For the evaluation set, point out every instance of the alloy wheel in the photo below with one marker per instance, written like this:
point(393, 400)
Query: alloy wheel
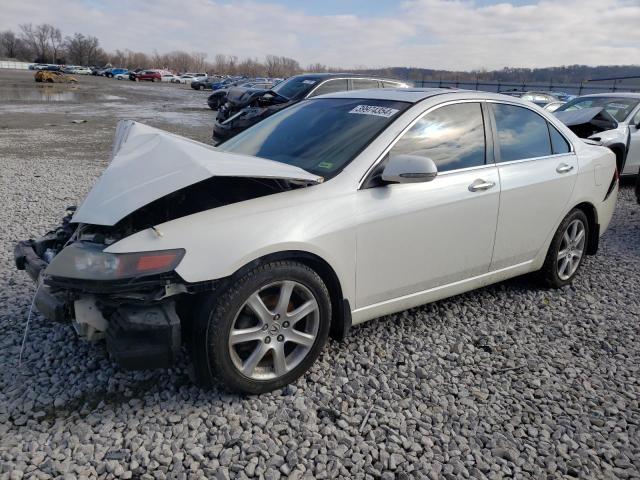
point(571, 249)
point(274, 330)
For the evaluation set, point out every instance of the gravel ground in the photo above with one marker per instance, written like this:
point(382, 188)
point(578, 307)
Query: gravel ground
point(510, 381)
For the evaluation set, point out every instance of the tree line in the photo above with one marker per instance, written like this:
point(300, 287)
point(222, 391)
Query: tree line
point(45, 43)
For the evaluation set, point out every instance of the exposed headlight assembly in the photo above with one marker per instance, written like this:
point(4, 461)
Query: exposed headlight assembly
point(88, 262)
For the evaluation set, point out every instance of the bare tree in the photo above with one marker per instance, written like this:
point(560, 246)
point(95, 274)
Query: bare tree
point(10, 44)
point(281, 66)
point(317, 68)
point(37, 39)
point(55, 40)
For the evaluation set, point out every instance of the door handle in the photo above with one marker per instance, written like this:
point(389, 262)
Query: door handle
point(564, 168)
point(480, 185)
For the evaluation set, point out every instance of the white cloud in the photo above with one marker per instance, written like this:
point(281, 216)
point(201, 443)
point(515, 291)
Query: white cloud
point(452, 34)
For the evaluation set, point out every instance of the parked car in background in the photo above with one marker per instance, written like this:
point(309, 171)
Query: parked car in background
point(148, 75)
point(116, 71)
point(539, 98)
point(565, 97)
point(121, 76)
point(225, 83)
point(82, 71)
point(245, 93)
point(53, 77)
point(219, 96)
point(99, 71)
point(234, 119)
point(204, 84)
point(366, 203)
point(168, 77)
point(553, 106)
point(612, 119)
point(134, 73)
point(190, 77)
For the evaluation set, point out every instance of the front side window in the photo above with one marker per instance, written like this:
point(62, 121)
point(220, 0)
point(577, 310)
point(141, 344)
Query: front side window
point(452, 136)
point(320, 136)
point(332, 86)
point(522, 133)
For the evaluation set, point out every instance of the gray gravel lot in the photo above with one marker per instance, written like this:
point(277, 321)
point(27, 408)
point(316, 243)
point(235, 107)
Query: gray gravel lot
point(510, 381)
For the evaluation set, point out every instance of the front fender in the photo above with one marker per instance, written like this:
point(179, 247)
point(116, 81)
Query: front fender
point(220, 241)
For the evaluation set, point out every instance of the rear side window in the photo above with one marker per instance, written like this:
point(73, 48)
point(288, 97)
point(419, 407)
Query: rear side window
point(522, 133)
point(452, 136)
point(386, 84)
point(363, 83)
point(558, 143)
point(332, 86)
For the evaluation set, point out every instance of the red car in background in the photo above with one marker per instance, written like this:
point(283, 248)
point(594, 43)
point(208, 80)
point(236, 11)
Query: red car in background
point(152, 75)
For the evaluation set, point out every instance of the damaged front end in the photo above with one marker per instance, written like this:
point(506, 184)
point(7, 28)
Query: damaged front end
point(597, 125)
point(130, 300)
point(135, 300)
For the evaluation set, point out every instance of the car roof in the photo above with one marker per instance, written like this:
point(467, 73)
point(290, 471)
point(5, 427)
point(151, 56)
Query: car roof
point(324, 76)
point(614, 94)
point(415, 95)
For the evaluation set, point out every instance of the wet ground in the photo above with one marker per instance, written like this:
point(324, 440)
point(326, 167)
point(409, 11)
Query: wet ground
point(49, 110)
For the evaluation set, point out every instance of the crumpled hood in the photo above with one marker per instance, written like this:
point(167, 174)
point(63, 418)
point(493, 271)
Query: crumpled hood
point(148, 163)
point(597, 116)
point(242, 95)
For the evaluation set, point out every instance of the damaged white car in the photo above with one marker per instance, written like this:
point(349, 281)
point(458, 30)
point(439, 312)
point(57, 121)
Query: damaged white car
point(337, 210)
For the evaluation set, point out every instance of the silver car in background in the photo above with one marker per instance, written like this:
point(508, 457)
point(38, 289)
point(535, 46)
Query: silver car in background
point(613, 119)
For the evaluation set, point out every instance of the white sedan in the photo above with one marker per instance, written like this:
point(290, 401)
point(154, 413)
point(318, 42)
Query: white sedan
point(170, 77)
point(334, 211)
point(190, 77)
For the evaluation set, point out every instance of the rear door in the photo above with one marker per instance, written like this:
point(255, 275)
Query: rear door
point(538, 170)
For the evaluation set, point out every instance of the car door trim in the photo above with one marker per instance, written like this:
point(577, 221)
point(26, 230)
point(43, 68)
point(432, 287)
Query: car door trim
point(380, 157)
point(359, 314)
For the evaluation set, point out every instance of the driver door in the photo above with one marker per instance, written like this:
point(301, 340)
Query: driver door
point(416, 236)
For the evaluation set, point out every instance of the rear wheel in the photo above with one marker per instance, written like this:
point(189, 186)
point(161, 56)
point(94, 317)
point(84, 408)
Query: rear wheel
point(567, 250)
point(264, 330)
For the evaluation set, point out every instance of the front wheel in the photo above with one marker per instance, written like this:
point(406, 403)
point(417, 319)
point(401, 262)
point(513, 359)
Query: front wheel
point(567, 250)
point(264, 330)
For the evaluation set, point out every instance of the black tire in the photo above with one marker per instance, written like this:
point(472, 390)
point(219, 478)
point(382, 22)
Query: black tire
point(549, 273)
point(218, 314)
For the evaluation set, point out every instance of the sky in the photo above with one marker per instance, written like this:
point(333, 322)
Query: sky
point(441, 34)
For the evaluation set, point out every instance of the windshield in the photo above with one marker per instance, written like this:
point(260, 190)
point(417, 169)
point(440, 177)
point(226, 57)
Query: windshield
point(320, 136)
point(618, 107)
point(295, 87)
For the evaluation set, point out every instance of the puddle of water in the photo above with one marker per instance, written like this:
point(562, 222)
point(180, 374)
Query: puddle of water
point(49, 94)
point(39, 93)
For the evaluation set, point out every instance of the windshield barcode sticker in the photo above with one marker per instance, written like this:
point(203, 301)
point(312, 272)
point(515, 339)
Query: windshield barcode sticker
point(375, 110)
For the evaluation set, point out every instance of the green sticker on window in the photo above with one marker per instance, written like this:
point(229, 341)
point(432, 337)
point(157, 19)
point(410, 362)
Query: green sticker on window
point(326, 165)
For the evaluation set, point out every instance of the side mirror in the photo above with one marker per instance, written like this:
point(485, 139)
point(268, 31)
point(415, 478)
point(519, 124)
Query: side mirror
point(409, 169)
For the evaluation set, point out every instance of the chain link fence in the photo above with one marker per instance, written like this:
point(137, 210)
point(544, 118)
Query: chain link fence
point(622, 84)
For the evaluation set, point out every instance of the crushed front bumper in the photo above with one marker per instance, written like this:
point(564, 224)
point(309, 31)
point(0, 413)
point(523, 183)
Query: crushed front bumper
point(142, 329)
